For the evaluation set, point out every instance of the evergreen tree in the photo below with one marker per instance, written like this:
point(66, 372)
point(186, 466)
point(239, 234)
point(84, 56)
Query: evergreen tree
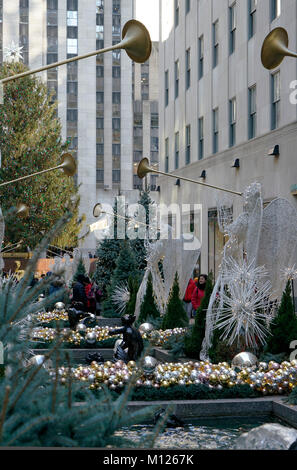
point(107, 254)
point(284, 326)
point(80, 270)
point(138, 245)
point(126, 266)
point(193, 342)
point(30, 141)
point(148, 307)
point(175, 316)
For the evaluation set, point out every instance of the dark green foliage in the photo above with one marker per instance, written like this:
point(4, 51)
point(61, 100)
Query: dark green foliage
point(284, 326)
point(175, 316)
point(126, 266)
point(193, 342)
point(192, 392)
point(105, 344)
point(279, 358)
point(80, 270)
point(138, 245)
point(133, 286)
point(221, 351)
point(107, 254)
point(148, 307)
point(35, 408)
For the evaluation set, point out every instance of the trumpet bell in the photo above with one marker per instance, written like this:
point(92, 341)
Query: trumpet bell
point(22, 210)
point(275, 48)
point(68, 164)
point(97, 210)
point(136, 41)
point(143, 168)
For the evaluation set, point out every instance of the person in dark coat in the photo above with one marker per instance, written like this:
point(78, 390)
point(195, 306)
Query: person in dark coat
point(79, 293)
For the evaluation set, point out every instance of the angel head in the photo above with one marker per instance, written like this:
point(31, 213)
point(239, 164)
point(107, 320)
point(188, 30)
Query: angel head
point(250, 195)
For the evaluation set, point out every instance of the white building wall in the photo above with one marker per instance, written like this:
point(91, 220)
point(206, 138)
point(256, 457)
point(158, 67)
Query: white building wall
point(233, 76)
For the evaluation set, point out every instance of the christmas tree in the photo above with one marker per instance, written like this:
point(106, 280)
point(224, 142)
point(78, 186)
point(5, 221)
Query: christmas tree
point(126, 266)
point(138, 244)
point(193, 342)
point(175, 316)
point(283, 327)
point(80, 270)
point(107, 253)
point(148, 307)
point(30, 141)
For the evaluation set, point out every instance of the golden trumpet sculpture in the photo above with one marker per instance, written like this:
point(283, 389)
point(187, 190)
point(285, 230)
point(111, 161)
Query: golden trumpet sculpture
point(144, 168)
point(136, 42)
point(98, 211)
point(22, 210)
point(275, 48)
point(68, 165)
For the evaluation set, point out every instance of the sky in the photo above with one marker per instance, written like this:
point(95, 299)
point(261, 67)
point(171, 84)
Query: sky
point(147, 11)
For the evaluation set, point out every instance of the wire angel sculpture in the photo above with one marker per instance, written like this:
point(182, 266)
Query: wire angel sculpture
point(258, 237)
point(173, 255)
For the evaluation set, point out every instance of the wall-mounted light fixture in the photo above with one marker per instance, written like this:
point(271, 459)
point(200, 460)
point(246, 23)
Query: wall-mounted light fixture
point(236, 163)
point(177, 183)
point(203, 174)
point(274, 151)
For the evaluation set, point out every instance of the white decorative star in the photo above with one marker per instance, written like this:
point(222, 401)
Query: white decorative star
point(13, 53)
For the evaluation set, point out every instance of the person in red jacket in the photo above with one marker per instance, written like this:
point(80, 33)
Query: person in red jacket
point(199, 292)
point(188, 296)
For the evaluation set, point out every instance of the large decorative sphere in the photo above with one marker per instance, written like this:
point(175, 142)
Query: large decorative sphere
point(59, 306)
point(91, 337)
point(81, 328)
point(149, 364)
point(39, 360)
point(146, 328)
point(244, 359)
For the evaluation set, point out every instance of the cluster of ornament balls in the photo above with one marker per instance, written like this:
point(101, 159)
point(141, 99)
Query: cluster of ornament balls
point(55, 315)
point(160, 337)
point(268, 378)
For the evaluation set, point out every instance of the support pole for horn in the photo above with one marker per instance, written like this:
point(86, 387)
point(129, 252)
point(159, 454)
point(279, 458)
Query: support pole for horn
point(144, 168)
point(97, 212)
point(68, 166)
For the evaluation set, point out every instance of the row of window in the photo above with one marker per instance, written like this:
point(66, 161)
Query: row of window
point(252, 116)
point(275, 11)
point(252, 5)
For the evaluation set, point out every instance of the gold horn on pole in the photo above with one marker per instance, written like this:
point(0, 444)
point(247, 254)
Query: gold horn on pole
point(98, 211)
point(135, 40)
point(275, 48)
point(68, 165)
point(22, 210)
point(144, 168)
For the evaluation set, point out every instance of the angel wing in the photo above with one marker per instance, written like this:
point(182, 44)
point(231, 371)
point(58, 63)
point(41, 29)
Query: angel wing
point(278, 242)
point(254, 231)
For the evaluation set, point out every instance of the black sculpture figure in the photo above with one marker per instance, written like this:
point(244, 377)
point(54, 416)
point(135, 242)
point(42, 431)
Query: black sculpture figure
point(94, 357)
point(172, 422)
point(76, 316)
point(132, 340)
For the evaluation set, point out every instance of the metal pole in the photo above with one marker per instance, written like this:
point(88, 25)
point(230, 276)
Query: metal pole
point(196, 182)
point(30, 176)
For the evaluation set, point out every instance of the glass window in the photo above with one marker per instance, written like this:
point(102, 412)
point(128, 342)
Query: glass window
point(232, 118)
point(275, 9)
point(116, 72)
point(154, 144)
point(99, 71)
point(166, 155)
point(188, 145)
point(201, 138)
point(232, 21)
point(166, 88)
point(72, 5)
point(188, 68)
point(52, 4)
point(116, 123)
point(176, 150)
point(201, 56)
point(275, 104)
point(188, 6)
point(176, 73)
point(215, 29)
point(72, 18)
point(116, 97)
point(72, 32)
point(72, 115)
point(252, 17)
point(72, 46)
point(215, 117)
point(100, 6)
point(176, 12)
point(252, 112)
point(100, 97)
point(99, 123)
